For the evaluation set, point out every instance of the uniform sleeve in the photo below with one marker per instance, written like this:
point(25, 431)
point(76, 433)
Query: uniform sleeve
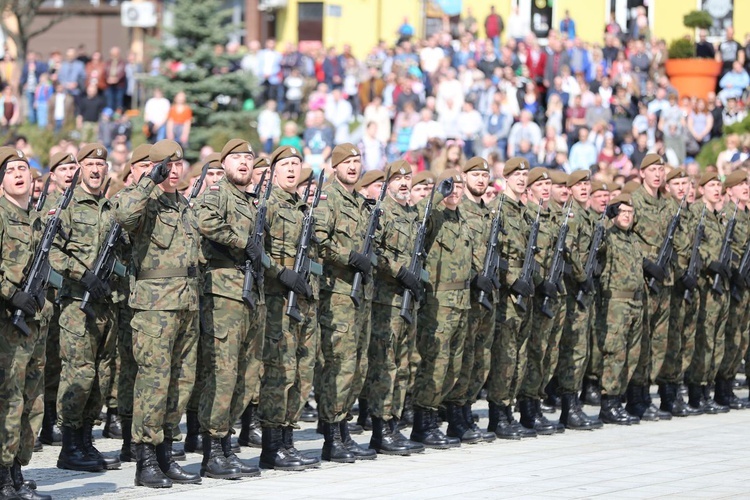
point(212, 224)
point(130, 209)
point(325, 222)
point(7, 288)
point(273, 270)
point(387, 263)
point(61, 259)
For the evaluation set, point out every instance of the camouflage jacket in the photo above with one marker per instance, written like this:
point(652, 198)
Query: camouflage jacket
point(164, 237)
point(581, 234)
point(652, 216)
point(479, 219)
point(741, 233)
point(682, 243)
point(512, 247)
point(226, 218)
point(622, 261)
point(19, 235)
point(716, 226)
point(394, 244)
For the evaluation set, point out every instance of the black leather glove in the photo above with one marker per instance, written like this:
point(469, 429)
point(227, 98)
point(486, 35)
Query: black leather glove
point(360, 262)
point(482, 283)
point(613, 211)
point(295, 282)
point(445, 187)
point(159, 173)
point(585, 287)
point(717, 267)
point(25, 302)
point(94, 285)
point(689, 282)
point(653, 271)
point(253, 251)
point(411, 281)
point(522, 288)
point(547, 289)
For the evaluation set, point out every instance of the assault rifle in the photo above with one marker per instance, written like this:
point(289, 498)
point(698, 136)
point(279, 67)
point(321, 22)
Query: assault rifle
point(690, 278)
point(254, 270)
point(592, 260)
point(199, 183)
point(725, 255)
point(664, 256)
point(524, 285)
point(106, 264)
point(492, 261)
point(43, 195)
point(368, 249)
point(553, 283)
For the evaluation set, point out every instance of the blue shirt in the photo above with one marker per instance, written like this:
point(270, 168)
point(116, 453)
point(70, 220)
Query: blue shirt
point(582, 156)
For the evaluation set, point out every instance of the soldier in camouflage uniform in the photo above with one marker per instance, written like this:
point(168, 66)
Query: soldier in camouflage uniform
point(232, 333)
point(164, 299)
point(736, 333)
point(619, 324)
point(21, 356)
point(87, 341)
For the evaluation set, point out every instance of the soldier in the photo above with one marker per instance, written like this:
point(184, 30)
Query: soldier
point(620, 322)
point(713, 287)
point(21, 356)
point(421, 186)
point(344, 328)
point(370, 184)
point(289, 347)
point(87, 340)
point(164, 299)
point(480, 331)
point(511, 322)
point(736, 336)
point(443, 318)
point(215, 171)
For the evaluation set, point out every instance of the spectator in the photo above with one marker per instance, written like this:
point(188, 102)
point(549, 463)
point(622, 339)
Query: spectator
point(43, 94)
point(72, 73)
point(568, 26)
point(470, 127)
point(554, 114)
point(450, 157)
point(105, 133)
point(405, 31)
point(729, 52)
point(249, 62)
point(339, 113)
point(641, 149)
point(525, 129)
point(11, 111)
point(115, 80)
point(518, 24)
point(63, 106)
point(318, 139)
point(613, 27)
point(294, 84)
point(583, 154)
point(734, 83)
point(269, 73)
point(8, 69)
point(557, 58)
point(371, 87)
point(30, 78)
point(376, 112)
point(290, 136)
point(427, 128)
point(494, 27)
point(580, 58)
point(122, 129)
point(703, 48)
point(729, 159)
point(333, 68)
point(95, 72)
point(497, 127)
point(732, 113)
point(132, 68)
point(575, 118)
point(404, 127)
point(700, 122)
point(373, 150)
point(155, 115)
point(431, 56)
point(179, 120)
point(269, 126)
point(89, 111)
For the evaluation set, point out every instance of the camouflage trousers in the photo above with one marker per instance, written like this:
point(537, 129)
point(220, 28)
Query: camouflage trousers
point(289, 353)
point(21, 389)
point(508, 363)
point(344, 341)
point(391, 342)
point(441, 332)
point(109, 373)
point(619, 329)
point(681, 336)
point(574, 344)
point(542, 347)
point(128, 367)
point(655, 336)
point(593, 371)
point(713, 313)
point(165, 349)
point(53, 365)
point(735, 337)
point(231, 346)
point(87, 345)
point(475, 365)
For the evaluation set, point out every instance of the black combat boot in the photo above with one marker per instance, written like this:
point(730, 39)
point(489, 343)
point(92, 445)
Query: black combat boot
point(250, 433)
point(233, 460)
point(553, 399)
point(407, 415)
point(516, 425)
point(412, 446)
point(334, 449)
point(651, 407)
point(112, 425)
point(487, 436)
point(147, 471)
point(50, 433)
point(383, 441)
point(457, 427)
point(170, 468)
point(559, 426)
point(109, 463)
point(680, 408)
point(571, 416)
point(425, 430)
point(127, 451)
point(710, 403)
point(287, 438)
point(73, 456)
point(215, 465)
point(355, 449)
point(612, 412)
point(7, 490)
point(591, 393)
point(498, 423)
point(274, 455)
point(193, 438)
point(695, 399)
point(309, 414)
point(724, 395)
point(24, 489)
point(531, 420)
point(668, 399)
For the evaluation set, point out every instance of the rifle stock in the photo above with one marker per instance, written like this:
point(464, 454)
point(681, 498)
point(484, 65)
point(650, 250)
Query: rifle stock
point(368, 248)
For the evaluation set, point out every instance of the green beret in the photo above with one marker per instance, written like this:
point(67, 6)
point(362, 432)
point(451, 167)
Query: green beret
point(214, 161)
point(398, 167)
point(343, 152)
point(61, 158)
point(284, 152)
point(676, 173)
point(9, 153)
point(423, 177)
point(708, 177)
point(95, 151)
point(651, 159)
point(166, 150)
point(476, 163)
point(578, 176)
point(304, 175)
point(140, 154)
point(623, 198)
point(537, 174)
point(239, 146)
point(631, 187)
point(370, 177)
point(262, 162)
point(451, 173)
point(735, 178)
point(515, 163)
point(599, 186)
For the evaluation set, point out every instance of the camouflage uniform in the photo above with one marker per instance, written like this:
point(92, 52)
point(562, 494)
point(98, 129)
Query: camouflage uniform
point(164, 299)
point(232, 333)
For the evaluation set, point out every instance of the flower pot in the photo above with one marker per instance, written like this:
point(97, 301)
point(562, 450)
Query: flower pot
point(693, 77)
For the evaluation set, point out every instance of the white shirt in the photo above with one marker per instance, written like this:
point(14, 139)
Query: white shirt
point(156, 110)
point(423, 132)
point(339, 113)
point(470, 124)
point(430, 58)
point(269, 125)
point(382, 117)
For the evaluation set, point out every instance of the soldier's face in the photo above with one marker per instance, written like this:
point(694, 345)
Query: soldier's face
point(477, 182)
point(399, 188)
point(347, 172)
point(239, 168)
point(625, 218)
point(287, 173)
point(63, 175)
point(516, 182)
point(540, 191)
point(311, 195)
point(581, 191)
point(138, 169)
point(454, 198)
point(599, 201)
point(38, 186)
point(652, 176)
point(372, 192)
point(560, 193)
point(213, 175)
point(711, 191)
point(175, 174)
point(740, 192)
point(420, 192)
point(678, 187)
point(93, 172)
point(258, 173)
point(17, 181)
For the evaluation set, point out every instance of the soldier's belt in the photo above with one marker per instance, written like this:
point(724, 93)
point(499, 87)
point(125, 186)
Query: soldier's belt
point(455, 285)
point(168, 272)
point(286, 261)
point(515, 264)
point(622, 294)
point(224, 264)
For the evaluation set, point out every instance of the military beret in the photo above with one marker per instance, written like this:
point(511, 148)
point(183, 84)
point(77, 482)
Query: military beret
point(167, 150)
point(476, 163)
point(651, 159)
point(9, 153)
point(578, 176)
point(515, 163)
point(451, 173)
point(214, 161)
point(677, 173)
point(284, 152)
point(343, 152)
point(631, 187)
point(35, 173)
point(370, 177)
point(423, 177)
point(708, 177)
point(304, 175)
point(61, 158)
point(624, 199)
point(262, 162)
point(537, 174)
point(735, 178)
point(558, 176)
point(239, 146)
point(141, 153)
point(398, 167)
point(599, 186)
point(94, 150)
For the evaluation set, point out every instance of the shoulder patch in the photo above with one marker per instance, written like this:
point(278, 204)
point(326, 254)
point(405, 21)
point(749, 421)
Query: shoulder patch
point(214, 188)
point(52, 211)
point(323, 196)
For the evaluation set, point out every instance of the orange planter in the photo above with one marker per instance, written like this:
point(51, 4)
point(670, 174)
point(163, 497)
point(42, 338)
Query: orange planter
point(693, 77)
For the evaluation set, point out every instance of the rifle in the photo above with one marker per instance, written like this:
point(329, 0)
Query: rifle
point(302, 263)
point(253, 270)
point(524, 285)
point(36, 282)
point(106, 263)
point(103, 192)
point(43, 195)
point(725, 255)
point(665, 251)
point(368, 248)
point(552, 284)
point(199, 183)
point(691, 274)
point(417, 256)
point(492, 261)
point(592, 260)
point(744, 268)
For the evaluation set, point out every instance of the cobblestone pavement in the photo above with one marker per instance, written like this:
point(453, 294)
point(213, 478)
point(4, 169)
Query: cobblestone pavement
point(696, 457)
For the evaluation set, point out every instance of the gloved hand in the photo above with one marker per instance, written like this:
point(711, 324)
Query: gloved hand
point(717, 267)
point(585, 286)
point(411, 281)
point(689, 282)
point(253, 251)
point(159, 172)
point(295, 282)
point(360, 262)
point(482, 283)
point(547, 289)
point(445, 187)
point(96, 287)
point(522, 288)
point(25, 302)
point(613, 211)
point(653, 271)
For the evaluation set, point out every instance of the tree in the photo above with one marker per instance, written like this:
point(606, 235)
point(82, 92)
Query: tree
point(23, 13)
point(216, 89)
